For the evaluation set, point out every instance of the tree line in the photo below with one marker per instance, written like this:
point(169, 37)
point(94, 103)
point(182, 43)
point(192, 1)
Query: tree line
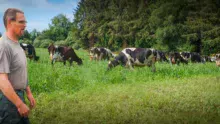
point(180, 25)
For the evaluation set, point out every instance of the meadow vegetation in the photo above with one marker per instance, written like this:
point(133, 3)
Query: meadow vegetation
point(91, 94)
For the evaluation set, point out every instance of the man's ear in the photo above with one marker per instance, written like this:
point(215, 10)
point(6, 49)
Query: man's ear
point(9, 22)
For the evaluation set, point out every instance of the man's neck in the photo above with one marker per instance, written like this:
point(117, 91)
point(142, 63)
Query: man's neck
point(12, 36)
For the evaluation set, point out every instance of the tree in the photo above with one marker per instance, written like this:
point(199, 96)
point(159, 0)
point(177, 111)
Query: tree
point(25, 36)
point(34, 34)
point(180, 25)
point(58, 29)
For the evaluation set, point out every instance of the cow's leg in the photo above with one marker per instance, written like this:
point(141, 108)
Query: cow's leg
point(96, 57)
point(108, 56)
point(129, 64)
point(153, 64)
point(177, 61)
point(64, 62)
point(53, 61)
point(150, 62)
point(71, 62)
point(217, 62)
point(101, 56)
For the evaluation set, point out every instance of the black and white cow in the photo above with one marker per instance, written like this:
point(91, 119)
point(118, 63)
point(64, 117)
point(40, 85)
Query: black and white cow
point(176, 58)
point(29, 51)
point(192, 56)
point(207, 58)
point(100, 53)
point(135, 57)
point(161, 56)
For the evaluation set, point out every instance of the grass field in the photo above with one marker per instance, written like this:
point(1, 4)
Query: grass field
point(90, 94)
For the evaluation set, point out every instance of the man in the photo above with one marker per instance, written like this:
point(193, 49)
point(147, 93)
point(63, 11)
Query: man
point(13, 71)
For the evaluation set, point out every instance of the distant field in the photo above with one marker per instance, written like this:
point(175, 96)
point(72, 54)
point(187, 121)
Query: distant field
point(90, 94)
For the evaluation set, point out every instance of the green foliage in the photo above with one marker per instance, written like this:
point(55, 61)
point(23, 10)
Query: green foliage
point(42, 43)
point(211, 46)
point(27, 41)
point(168, 37)
point(60, 30)
point(166, 25)
point(25, 36)
point(61, 43)
point(34, 34)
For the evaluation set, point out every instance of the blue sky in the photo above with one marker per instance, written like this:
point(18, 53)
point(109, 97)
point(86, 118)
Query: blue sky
point(39, 12)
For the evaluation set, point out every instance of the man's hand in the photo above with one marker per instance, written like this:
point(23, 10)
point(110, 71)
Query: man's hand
point(23, 110)
point(31, 100)
point(30, 97)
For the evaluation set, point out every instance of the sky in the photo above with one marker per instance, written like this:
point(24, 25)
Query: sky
point(39, 13)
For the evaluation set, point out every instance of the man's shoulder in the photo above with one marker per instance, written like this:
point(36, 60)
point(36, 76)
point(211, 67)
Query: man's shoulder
point(3, 43)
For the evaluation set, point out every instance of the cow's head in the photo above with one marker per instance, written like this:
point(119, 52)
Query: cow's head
point(51, 50)
point(185, 55)
point(29, 51)
point(172, 58)
point(112, 64)
point(161, 56)
point(92, 53)
point(79, 61)
point(217, 56)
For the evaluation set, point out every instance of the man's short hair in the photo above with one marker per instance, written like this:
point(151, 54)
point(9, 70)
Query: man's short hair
point(10, 13)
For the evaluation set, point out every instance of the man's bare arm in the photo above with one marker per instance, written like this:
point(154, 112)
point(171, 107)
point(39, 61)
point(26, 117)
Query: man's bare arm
point(9, 92)
point(30, 97)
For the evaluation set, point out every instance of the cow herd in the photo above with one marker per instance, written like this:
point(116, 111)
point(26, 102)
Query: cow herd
point(128, 57)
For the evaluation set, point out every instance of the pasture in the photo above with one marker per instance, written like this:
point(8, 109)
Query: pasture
point(90, 94)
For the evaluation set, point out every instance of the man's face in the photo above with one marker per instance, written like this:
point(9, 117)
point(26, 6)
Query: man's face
point(19, 25)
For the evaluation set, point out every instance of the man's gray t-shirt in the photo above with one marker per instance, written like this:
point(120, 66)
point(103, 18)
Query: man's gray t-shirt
point(13, 62)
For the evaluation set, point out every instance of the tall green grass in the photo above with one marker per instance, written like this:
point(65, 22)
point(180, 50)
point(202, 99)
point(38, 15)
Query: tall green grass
point(91, 94)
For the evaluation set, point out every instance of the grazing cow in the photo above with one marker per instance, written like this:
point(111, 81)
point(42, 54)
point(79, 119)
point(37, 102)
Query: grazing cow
point(161, 56)
point(217, 59)
point(176, 58)
point(29, 51)
point(206, 58)
point(193, 56)
point(135, 57)
point(62, 53)
point(100, 53)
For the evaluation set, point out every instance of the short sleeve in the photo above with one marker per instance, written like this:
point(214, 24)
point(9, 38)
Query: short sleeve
point(4, 60)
